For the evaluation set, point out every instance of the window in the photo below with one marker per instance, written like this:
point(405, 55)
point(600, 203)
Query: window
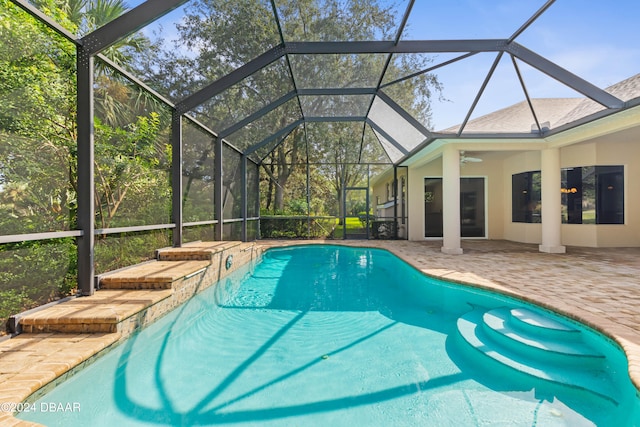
point(525, 197)
point(593, 195)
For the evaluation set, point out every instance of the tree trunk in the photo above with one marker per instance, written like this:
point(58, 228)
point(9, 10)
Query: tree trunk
point(279, 199)
point(270, 188)
point(339, 186)
point(341, 211)
point(283, 175)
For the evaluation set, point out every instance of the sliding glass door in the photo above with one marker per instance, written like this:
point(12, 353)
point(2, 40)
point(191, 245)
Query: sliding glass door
point(472, 207)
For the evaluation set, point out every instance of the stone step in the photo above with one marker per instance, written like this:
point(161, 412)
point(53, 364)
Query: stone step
point(105, 311)
point(498, 325)
point(152, 275)
point(473, 335)
point(136, 295)
point(127, 298)
point(198, 251)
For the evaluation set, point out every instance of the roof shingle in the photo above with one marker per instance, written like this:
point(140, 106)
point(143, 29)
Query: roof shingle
point(551, 112)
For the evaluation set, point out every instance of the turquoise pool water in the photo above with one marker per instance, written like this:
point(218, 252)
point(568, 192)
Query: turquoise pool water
point(328, 335)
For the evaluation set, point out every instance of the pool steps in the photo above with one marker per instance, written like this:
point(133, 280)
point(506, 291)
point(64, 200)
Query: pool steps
point(565, 349)
point(132, 297)
point(51, 342)
point(153, 275)
point(535, 345)
point(526, 319)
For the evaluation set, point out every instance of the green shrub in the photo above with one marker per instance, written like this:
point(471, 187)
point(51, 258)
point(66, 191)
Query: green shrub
point(296, 227)
point(34, 273)
point(122, 250)
point(13, 301)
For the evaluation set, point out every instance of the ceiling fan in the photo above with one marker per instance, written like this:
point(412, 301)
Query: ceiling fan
point(464, 159)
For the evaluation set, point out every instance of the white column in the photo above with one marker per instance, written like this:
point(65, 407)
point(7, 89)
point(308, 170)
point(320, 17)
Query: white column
point(551, 202)
point(451, 201)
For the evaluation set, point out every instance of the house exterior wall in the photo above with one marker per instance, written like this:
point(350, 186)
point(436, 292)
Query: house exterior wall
point(515, 163)
point(617, 149)
point(611, 141)
point(622, 148)
point(416, 196)
point(379, 194)
point(489, 169)
point(382, 199)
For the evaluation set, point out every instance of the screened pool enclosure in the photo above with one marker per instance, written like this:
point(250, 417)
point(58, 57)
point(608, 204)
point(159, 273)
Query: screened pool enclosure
point(130, 126)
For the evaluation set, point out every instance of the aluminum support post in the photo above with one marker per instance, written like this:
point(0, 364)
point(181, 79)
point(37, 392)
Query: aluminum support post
point(176, 177)
point(86, 186)
point(218, 189)
point(243, 179)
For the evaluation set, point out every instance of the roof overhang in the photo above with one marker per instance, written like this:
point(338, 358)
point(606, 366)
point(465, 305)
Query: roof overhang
point(626, 119)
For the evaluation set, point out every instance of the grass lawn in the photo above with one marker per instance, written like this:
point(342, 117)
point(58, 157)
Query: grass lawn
point(354, 226)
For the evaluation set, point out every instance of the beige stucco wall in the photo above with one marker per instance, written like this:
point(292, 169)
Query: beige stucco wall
point(514, 163)
point(379, 188)
point(621, 148)
point(379, 197)
point(613, 141)
point(416, 196)
point(490, 169)
point(617, 149)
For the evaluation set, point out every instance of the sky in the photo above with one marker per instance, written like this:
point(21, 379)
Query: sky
point(595, 39)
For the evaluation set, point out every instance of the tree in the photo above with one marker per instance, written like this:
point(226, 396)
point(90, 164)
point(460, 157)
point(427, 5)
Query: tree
point(38, 177)
point(129, 160)
point(223, 35)
point(282, 164)
point(37, 127)
point(37, 149)
point(337, 147)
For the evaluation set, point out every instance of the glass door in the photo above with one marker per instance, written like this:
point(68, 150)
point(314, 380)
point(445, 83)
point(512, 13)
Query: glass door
point(433, 207)
point(472, 207)
point(472, 217)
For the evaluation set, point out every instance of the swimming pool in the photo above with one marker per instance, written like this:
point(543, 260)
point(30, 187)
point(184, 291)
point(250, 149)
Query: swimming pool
point(328, 335)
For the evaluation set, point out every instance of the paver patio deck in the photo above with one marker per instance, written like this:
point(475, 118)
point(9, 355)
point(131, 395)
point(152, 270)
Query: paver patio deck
point(599, 287)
